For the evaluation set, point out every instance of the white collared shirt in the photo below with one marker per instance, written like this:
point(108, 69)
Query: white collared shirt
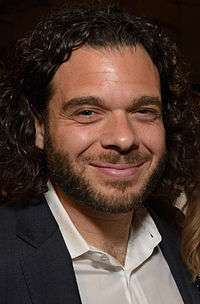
point(144, 279)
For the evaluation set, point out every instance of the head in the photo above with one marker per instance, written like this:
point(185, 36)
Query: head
point(104, 138)
point(96, 102)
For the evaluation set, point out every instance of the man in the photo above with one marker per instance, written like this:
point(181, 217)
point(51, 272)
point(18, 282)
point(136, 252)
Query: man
point(92, 108)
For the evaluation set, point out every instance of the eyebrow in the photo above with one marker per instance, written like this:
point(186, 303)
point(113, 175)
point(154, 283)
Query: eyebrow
point(98, 102)
point(79, 101)
point(145, 101)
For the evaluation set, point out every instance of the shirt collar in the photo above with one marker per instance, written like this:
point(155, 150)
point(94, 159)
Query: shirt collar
point(144, 236)
point(73, 239)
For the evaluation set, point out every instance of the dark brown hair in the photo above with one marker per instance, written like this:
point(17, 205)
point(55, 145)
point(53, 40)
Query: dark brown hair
point(191, 227)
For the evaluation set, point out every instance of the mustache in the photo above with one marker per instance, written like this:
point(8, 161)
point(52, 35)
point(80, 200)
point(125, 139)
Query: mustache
point(133, 158)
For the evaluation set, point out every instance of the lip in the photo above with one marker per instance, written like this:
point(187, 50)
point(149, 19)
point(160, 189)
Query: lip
point(117, 170)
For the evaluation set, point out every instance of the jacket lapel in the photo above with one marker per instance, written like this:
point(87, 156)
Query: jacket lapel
point(170, 247)
point(44, 258)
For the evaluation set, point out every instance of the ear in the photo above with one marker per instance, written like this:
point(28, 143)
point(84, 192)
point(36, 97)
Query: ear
point(39, 136)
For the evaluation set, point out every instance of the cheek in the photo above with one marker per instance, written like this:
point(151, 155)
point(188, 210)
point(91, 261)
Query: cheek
point(154, 139)
point(74, 140)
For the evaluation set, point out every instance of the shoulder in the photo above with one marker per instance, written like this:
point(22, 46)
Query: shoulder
point(10, 214)
point(170, 246)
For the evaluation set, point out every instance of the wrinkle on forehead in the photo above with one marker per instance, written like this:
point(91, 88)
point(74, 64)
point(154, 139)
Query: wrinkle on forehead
point(106, 70)
point(104, 60)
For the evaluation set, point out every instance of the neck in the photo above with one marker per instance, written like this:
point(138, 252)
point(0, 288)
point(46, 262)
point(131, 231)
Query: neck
point(107, 232)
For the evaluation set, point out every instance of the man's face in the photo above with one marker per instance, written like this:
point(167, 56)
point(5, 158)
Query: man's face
point(105, 139)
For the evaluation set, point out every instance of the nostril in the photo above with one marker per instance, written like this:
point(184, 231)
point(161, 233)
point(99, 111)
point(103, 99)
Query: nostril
point(120, 150)
point(122, 145)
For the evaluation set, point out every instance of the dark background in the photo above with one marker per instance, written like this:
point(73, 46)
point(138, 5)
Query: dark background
point(180, 17)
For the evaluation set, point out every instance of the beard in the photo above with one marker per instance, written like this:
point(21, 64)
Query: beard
point(70, 179)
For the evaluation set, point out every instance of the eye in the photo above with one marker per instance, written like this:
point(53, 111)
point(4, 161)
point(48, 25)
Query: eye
point(86, 116)
point(86, 112)
point(148, 114)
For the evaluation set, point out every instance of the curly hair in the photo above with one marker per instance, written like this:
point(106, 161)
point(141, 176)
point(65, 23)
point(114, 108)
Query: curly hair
point(27, 88)
point(191, 227)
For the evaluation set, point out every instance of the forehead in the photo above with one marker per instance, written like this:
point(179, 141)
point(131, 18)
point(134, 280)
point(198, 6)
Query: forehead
point(116, 71)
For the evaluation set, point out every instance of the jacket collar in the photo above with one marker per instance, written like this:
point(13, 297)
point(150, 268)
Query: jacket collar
point(35, 223)
point(44, 258)
point(170, 247)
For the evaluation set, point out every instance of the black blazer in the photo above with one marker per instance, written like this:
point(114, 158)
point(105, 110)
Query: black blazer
point(35, 265)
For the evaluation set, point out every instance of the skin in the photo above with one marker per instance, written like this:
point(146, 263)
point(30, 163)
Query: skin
point(107, 102)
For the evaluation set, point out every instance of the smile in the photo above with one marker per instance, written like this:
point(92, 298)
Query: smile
point(117, 170)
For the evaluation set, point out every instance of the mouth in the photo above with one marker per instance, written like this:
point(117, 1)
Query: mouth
point(117, 170)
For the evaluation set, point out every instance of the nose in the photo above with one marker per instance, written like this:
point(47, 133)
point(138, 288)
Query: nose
point(120, 133)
